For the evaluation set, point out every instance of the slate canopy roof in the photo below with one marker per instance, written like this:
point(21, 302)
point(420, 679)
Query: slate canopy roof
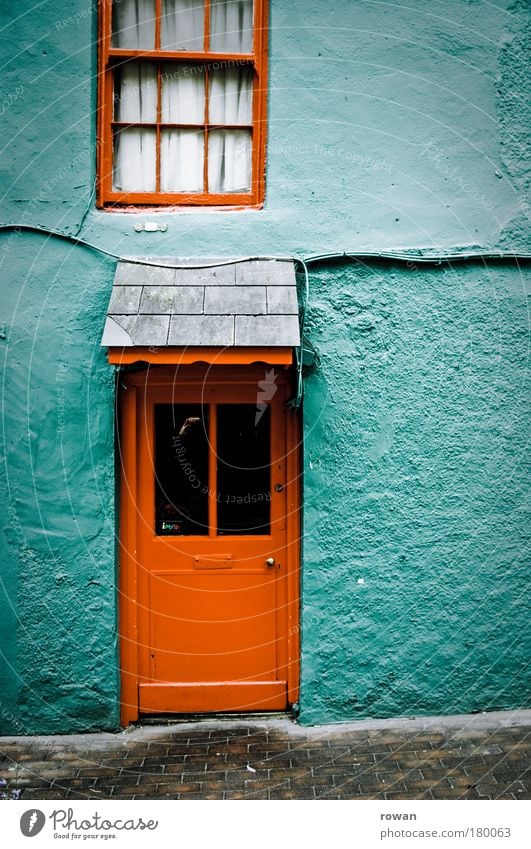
point(249, 303)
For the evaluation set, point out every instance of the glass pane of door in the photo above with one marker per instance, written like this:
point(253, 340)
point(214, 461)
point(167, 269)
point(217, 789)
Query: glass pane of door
point(181, 469)
point(243, 469)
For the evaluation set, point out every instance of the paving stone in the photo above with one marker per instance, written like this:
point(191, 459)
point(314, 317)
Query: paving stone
point(254, 794)
point(95, 771)
point(184, 763)
point(178, 787)
point(292, 794)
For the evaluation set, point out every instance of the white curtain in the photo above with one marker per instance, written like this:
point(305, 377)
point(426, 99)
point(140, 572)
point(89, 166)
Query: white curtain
point(134, 168)
point(183, 94)
point(231, 26)
point(182, 151)
point(182, 25)
point(229, 151)
point(229, 160)
point(183, 100)
point(133, 24)
point(135, 89)
point(231, 96)
point(181, 160)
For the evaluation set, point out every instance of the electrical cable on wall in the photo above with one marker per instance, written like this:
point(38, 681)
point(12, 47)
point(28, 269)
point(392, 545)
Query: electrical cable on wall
point(395, 256)
point(399, 256)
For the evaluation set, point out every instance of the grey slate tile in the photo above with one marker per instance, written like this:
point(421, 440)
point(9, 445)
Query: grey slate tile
point(158, 276)
point(136, 274)
point(115, 336)
point(238, 300)
point(204, 330)
point(248, 303)
point(221, 275)
point(124, 300)
point(174, 300)
point(145, 329)
point(282, 300)
point(270, 330)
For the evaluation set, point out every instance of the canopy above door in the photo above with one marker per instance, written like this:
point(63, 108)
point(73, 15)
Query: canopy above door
point(231, 312)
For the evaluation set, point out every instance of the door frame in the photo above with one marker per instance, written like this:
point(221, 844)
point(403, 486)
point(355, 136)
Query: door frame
point(129, 389)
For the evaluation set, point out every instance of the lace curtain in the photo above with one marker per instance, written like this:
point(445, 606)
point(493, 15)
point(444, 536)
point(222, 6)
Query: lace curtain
point(182, 99)
point(182, 25)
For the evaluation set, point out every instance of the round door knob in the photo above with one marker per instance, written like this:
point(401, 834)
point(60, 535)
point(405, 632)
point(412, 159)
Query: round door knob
point(270, 562)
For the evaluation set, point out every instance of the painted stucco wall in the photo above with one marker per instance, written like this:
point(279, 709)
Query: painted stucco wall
point(389, 127)
point(416, 572)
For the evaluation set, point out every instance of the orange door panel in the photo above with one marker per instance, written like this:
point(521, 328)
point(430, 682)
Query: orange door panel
point(209, 566)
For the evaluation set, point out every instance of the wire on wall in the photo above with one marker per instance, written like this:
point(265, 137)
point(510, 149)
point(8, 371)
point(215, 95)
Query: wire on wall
point(410, 258)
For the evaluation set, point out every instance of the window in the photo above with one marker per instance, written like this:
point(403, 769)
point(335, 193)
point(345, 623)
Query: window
point(193, 458)
point(182, 91)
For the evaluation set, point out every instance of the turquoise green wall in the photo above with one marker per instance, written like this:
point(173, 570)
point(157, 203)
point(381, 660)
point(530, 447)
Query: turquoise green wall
point(416, 555)
point(389, 127)
point(58, 563)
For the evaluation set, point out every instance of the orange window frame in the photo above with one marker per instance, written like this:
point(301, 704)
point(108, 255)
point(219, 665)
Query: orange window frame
point(110, 57)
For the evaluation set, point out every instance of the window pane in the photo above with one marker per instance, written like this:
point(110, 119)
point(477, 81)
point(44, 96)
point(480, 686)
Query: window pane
point(181, 469)
point(133, 24)
point(229, 160)
point(231, 26)
point(181, 160)
point(243, 469)
point(135, 92)
point(183, 94)
point(182, 26)
point(231, 96)
point(134, 160)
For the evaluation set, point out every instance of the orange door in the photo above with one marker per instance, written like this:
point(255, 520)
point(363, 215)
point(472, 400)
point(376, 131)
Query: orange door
point(209, 572)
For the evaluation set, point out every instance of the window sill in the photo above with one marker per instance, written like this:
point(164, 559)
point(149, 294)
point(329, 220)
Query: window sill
point(140, 209)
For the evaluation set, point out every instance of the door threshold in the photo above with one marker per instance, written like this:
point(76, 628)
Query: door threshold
point(181, 718)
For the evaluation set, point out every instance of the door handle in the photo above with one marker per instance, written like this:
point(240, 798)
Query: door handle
point(270, 562)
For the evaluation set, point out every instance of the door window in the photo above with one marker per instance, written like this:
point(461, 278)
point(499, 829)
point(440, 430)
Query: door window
point(181, 469)
point(243, 476)
point(212, 470)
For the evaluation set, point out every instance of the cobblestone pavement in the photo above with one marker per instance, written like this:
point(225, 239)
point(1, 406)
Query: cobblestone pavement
point(484, 756)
